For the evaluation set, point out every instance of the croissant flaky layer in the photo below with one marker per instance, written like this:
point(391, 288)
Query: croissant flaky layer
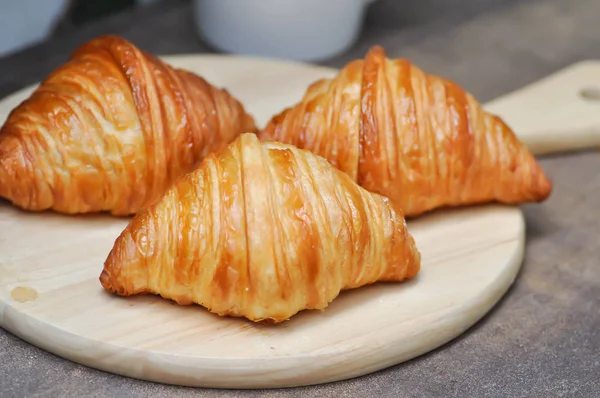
point(261, 230)
point(110, 130)
point(416, 138)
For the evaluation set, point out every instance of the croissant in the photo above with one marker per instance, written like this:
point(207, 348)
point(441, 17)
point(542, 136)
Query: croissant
point(262, 231)
point(110, 130)
point(419, 139)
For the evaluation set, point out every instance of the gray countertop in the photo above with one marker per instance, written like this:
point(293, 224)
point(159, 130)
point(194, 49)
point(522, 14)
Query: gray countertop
point(543, 338)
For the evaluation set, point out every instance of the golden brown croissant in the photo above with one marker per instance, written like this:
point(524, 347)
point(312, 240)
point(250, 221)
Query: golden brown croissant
point(419, 139)
point(261, 230)
point(111, 130)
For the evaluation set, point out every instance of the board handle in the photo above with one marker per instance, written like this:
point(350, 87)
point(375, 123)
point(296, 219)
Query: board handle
point(559, 113)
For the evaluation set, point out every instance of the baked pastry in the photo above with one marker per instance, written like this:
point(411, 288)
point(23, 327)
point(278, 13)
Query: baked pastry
point(262, 231)
point(419, 139)
point(110, 130)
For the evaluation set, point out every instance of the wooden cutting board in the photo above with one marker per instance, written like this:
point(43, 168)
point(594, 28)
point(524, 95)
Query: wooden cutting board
point(49, 266)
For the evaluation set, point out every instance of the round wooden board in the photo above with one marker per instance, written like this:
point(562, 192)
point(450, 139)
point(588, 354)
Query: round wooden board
point(51, 297)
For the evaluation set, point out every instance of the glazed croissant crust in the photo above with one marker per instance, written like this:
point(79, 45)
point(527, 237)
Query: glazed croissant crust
point(110, 130)
point(418, 139)
point(261, 230)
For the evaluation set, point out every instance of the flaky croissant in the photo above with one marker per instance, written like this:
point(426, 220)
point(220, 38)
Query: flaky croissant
point(416, 138)
point(262, 231)
point(110, 130)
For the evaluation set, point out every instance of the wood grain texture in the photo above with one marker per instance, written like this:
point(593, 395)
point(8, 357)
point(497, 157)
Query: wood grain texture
point(50, 295)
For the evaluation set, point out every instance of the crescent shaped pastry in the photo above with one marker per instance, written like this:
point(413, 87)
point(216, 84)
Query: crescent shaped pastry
point(111, 130)
point(419, 139)
point(261, 230)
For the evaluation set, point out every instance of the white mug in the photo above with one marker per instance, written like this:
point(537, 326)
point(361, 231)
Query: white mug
point(27, 22)
point(307, 30)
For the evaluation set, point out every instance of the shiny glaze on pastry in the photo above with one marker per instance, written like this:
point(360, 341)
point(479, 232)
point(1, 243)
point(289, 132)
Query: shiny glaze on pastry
point(110, 130)
point(261, 230)
point(419, 139)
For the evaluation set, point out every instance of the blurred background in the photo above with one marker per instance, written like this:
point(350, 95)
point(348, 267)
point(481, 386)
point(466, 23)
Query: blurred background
point(27, 22)
point(330, 25)
point(473, 42)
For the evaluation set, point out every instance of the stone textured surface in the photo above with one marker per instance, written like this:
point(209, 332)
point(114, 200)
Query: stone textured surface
point(543, 338)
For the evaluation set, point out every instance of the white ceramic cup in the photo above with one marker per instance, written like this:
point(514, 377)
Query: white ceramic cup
point(307, 30)
point(27, 22)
